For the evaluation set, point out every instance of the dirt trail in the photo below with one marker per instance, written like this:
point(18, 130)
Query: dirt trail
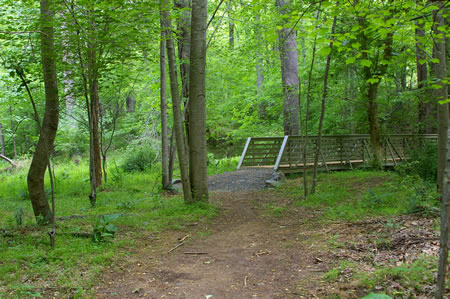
point(246, 252)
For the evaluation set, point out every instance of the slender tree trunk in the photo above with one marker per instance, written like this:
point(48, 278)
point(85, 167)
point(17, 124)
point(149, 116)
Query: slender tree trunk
point(176, 104)
point(2, 140)
point(94, 106)
point(262, 106)
point(49, 127)
point(322, 110)
point(163, 97)
point(13, 133)
point(308, 101)
point(427, 109)
point(371, 90)
point(230, 29)
point(197, 102)
point(439, 73)
point(289, 73)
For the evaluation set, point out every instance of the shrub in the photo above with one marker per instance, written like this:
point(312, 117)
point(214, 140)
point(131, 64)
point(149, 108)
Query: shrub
point(138, 158)
point(422, 162)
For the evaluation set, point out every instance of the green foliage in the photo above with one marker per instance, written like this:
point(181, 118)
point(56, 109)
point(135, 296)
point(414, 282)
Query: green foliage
point(138, 158)
point(422, 162)
point(76, 260)
point(274, 210)
point(217, 166)
point(410, 276)
point(104, 229)
point(358, 194)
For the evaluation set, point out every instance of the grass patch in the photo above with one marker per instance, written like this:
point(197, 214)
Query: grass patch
point(28, 268)
point(355, 195)
point(274, 210)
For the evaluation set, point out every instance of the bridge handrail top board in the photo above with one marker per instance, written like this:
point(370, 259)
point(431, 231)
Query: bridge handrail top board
point(342, 136)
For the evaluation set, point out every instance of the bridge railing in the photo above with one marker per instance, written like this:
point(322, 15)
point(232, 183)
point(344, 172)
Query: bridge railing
point(336, 152)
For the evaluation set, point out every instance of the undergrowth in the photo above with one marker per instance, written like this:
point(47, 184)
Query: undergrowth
point(355, 195)
point(28, 267)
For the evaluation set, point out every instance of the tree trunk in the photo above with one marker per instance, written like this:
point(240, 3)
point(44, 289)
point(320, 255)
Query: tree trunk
point(49, 127)
point(308, 101)
point(163, 97)
point(289, 74)
point(262, 105)
point(2, 140)
point(370, 73)
point(13, 133)
point(197, 102)
point(230, 30)
point(184, 45)
point(131, 103)
point(322, 111)
point(439, 72)
point(94, 108)
point(427, 108)
point(176, 104)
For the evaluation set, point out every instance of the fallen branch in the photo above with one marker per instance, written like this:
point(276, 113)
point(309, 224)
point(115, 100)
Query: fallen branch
point(8, 160)
point(196, 253)
point(176, 246)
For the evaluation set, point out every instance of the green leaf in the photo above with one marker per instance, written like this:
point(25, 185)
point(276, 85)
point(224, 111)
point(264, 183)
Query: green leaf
point(109, 218)
point(436, 86)
point(366, 63)
point(111, 228)
point(350, 60)
point(325, 51)
point(373, 80)
point(422, 61)
point(356, 45)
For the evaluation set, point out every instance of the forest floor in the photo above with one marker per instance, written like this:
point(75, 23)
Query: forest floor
point(263, 245)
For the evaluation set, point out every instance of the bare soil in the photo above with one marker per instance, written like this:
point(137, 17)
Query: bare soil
point(249, 251)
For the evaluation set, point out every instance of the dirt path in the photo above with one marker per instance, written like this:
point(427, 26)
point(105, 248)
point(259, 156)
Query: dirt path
point(246, 252)
point(263, 246)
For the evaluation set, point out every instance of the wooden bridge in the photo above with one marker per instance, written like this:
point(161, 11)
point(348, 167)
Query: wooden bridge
point(336, 152)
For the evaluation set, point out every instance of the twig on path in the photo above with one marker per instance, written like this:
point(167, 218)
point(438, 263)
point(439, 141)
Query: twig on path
point(196, 253)
point(184, 238)
point(245, 281)
point(176, 246)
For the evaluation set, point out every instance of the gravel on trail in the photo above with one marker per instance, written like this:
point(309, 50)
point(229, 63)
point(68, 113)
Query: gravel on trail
point(247, 179)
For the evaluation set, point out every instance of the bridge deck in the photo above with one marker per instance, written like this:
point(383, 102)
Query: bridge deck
point(337, 152)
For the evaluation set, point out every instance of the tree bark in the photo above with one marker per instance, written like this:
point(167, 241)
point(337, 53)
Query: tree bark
point(322, 110)
point(439, 73)
point(163, 104)
point(308, 101)
point(2, 140)
point(94, 104)
point(289, 74)
point(197, 102)
point(49, 127)
point(13, 133)
point(371, 89)
point(230, 30)
point(427, 109)
point(176, 103)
